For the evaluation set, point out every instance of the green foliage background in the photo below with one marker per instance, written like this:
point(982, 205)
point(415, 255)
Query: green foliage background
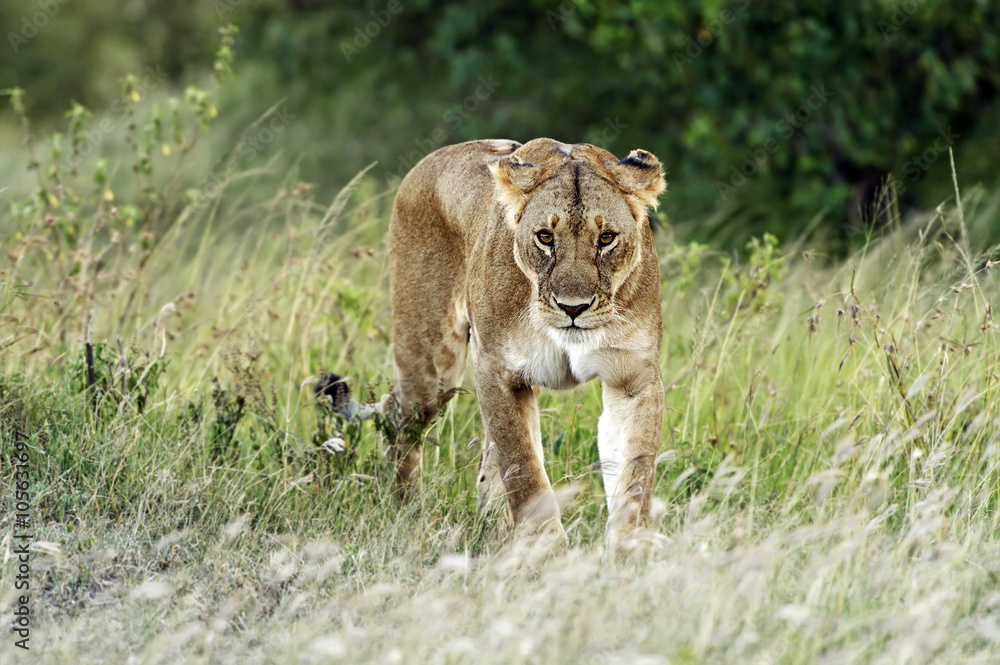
point(203, 205)
point(704, 84)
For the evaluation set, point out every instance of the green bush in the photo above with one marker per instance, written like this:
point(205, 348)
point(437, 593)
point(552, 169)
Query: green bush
point(766, 114)
point(770, 113)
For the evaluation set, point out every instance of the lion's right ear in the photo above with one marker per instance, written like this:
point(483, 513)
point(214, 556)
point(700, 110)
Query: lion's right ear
point(515, 179)
point(640, 177)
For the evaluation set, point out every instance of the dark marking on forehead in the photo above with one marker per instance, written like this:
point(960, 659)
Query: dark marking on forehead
point(577, 197)
point(553, 220)
point(599, 221)
point(576, 205)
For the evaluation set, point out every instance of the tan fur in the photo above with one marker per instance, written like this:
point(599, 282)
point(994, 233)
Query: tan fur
point(466, 265)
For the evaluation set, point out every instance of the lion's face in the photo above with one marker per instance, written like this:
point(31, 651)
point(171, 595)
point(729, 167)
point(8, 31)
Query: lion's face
point(578, 224)
point(577, 242)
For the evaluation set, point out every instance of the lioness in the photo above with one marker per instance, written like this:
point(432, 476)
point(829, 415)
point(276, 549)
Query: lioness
point(541, 258)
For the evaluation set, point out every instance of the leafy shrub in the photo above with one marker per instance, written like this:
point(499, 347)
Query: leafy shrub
point(767, 113)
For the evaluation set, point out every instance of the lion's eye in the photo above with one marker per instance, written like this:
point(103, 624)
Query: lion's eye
point(607, 238)
point(544, 237)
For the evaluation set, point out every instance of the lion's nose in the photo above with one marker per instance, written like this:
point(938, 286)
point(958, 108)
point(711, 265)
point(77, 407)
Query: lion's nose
point(574, 310)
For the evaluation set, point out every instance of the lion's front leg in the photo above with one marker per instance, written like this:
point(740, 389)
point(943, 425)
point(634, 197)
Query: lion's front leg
point(489, 487)
point(628, 437)
point(510, 416)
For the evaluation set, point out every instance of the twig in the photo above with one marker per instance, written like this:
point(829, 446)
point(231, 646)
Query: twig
point(91, 378)
point(122, 363)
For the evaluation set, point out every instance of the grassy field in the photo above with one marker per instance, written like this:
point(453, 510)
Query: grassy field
point(827, 488)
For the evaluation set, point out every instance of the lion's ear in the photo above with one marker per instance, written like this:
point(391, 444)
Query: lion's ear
point(641, 179)
point(515, 179)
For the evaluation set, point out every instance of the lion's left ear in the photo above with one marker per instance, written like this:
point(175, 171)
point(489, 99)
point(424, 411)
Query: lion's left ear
point(641, 179)
point(515, 179)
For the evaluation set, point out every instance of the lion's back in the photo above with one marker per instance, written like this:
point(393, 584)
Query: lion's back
point(450, 186)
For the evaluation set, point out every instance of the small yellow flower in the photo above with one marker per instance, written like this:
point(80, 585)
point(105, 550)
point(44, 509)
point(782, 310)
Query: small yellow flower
point(109, 196)
point(165, 149)
point(53, 201)
point(212, 111)
point(135, 96)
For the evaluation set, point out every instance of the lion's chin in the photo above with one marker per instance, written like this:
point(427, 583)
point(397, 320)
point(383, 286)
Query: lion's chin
point(562, 324)
point(574, 332)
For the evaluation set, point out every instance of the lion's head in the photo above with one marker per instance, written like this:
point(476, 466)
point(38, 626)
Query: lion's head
point(578, 215)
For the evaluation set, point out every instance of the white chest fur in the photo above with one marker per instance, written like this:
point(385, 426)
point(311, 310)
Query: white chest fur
point(546, 359)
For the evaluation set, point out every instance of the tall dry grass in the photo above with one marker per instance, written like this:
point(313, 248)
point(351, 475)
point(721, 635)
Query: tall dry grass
point(826, 493)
